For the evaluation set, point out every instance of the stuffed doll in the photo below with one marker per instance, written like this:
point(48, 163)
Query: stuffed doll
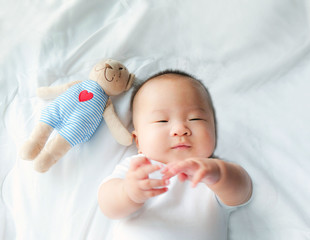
point(77, 113)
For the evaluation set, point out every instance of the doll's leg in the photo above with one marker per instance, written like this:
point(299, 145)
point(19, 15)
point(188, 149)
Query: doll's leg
point(32, 147)
point(51, 153)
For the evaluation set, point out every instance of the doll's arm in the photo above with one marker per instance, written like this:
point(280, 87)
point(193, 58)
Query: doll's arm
point(119, 132)
point(54, 91)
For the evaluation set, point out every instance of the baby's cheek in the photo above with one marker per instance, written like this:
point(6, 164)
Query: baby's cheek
point(205, 149)
point(208, 137)
point(154, 148)
point(148, 144)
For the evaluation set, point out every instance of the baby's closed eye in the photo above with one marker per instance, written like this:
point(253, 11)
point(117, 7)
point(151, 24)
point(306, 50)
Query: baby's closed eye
point(161, 121)
point(197, 119)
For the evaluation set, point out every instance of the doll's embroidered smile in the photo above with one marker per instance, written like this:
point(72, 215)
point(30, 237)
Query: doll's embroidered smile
point(105, 74)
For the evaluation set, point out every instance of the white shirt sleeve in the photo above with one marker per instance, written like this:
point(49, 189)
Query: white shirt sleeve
point(120, 170)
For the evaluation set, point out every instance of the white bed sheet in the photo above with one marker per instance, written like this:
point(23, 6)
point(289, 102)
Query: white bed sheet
point(253, 55)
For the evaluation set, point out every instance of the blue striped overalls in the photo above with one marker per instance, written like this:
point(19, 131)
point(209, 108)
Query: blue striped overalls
point(77, 113)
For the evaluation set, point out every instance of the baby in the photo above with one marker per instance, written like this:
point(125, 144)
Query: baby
point(175, 133)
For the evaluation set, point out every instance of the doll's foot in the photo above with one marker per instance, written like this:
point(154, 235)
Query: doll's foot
point(54, 150)
point(44, 161)
point(30, 150)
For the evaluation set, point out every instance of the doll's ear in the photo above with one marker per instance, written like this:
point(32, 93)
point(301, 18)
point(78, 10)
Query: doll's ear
point(130, 81)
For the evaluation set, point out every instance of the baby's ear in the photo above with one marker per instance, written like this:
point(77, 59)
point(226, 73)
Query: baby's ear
point(135, 137)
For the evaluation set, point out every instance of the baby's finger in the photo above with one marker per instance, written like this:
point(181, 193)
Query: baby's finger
point(179, 167)
point(155, 192)
point(198, 176)
point(182, 177)
point(167, 174)
point(188, 165)
point(149, 184)
point(137, 162)
point(144, 171)
point(168, 171)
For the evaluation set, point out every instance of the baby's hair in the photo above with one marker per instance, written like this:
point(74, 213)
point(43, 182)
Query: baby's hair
point(137, 86)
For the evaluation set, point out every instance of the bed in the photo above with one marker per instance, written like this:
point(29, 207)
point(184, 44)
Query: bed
point(254, 56)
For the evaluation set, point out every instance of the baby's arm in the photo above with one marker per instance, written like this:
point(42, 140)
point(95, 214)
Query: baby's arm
point(54, 91)
point(114, 201)
point(119, 198)
point(230, 182)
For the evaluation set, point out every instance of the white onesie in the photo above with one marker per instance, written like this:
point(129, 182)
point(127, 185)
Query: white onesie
point(181, 213)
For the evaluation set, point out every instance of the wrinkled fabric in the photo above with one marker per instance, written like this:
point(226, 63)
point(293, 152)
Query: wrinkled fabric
point(253, 56)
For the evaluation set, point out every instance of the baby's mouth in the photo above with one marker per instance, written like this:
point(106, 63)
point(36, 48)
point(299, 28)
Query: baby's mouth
point(181, 146)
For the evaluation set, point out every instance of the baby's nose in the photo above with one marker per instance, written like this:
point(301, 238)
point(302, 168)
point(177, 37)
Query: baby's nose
point(180, 130)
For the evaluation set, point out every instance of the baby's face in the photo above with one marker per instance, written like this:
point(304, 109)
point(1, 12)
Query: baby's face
point(173, 120)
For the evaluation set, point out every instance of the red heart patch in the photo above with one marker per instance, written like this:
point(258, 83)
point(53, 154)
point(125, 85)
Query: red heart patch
point(85, 96)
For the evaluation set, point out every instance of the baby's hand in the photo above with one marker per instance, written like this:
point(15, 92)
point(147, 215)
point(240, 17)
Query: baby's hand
point(196, 170)
point(138, 186)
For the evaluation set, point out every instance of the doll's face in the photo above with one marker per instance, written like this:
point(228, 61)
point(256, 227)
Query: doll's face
point(112, 76)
